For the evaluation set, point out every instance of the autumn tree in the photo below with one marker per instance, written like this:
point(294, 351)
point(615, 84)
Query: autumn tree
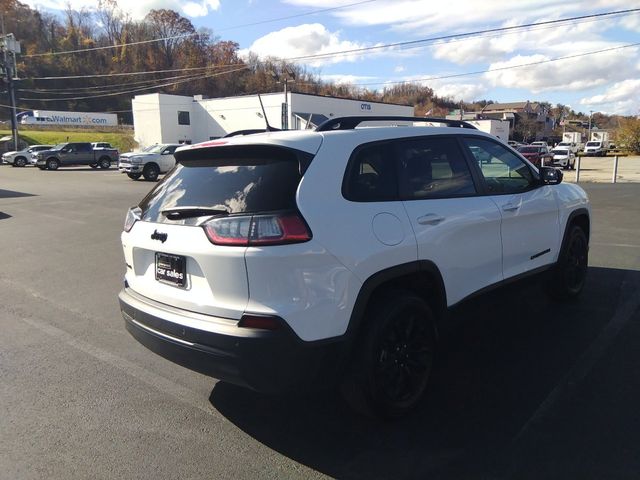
point(628, 134)
point(174, 31)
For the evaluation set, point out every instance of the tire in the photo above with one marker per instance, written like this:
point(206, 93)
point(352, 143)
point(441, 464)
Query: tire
point(41, 167)
point(52, 164)
point(134, 176)
point(93, 165)
point(570, 273)
point(20, 162)
point(393, 361)
point(151, 172)
point(104, 163)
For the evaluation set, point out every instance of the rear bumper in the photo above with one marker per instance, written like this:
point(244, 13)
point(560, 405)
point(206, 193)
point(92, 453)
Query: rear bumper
point(265, 361)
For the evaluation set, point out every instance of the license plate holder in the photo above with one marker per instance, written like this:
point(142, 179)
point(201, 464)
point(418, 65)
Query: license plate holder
point(171, 269)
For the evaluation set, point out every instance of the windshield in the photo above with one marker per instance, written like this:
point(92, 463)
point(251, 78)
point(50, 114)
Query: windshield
point(564, 144)
point(561, 152)
point(59, 146)
point(154, 148)
point(593, 144)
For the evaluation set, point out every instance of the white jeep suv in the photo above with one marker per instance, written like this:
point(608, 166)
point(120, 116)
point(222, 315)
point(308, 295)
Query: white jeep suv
point(283, 259)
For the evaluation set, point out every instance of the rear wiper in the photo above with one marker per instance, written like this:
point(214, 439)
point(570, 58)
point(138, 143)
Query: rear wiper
point(177, 213)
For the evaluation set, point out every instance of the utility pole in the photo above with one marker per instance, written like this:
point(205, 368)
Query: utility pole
point(589, 134)
point(10, 47)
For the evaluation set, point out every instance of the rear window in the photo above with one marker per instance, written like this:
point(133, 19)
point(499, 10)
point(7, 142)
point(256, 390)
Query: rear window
point(235, 179)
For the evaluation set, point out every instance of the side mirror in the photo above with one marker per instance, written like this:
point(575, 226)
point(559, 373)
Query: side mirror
point(550, 175)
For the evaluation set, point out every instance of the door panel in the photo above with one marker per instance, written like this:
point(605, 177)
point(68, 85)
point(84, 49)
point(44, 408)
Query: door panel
point(455, 228)
point(464, 244)
point(530, 223)
point(530, 232)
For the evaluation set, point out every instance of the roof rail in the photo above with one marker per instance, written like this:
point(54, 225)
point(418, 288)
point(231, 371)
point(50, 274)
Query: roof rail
point(349, 123)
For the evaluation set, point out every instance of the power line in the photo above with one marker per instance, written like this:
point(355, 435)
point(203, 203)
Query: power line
point(124, 74)
point(502, 68)
point(363, 84)
point(134, 90)
point(99, 87)
point(456, 37)
point(187, 35)
point(459, 35)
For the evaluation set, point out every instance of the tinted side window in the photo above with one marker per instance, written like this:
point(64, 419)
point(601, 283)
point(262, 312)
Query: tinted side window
point(371, 176)
point(433, 168)
point(83, 147)
point(170, 149)
point(503, 171)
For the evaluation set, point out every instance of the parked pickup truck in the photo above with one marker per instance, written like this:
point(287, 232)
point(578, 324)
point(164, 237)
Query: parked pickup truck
point(77, 153)
point(150, 162)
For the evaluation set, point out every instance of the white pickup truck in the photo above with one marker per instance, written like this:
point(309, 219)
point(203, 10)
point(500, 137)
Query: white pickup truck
point(150, 162)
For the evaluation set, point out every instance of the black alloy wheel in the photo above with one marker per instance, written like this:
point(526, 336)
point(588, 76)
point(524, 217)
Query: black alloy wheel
point(404, 360)
point(575, 264)
point(570, 273)
point(151, 172)
point(393, 363)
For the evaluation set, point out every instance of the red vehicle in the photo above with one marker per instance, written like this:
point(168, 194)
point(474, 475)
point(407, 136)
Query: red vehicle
point(539, 155)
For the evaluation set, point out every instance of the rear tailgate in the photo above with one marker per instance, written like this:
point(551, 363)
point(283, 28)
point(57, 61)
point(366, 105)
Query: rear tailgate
point(215, 279)
point(222, 182)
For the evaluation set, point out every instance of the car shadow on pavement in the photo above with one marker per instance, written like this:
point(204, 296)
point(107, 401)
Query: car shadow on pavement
point(507, 352)
point(14, 194)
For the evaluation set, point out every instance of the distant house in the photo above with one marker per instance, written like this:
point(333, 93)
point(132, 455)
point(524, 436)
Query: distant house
point(512, 112)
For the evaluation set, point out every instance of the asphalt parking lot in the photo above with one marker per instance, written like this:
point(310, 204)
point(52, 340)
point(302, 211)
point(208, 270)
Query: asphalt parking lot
point(524, 387)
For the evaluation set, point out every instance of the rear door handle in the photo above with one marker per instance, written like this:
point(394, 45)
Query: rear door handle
point(430, 219)
point(511, 207)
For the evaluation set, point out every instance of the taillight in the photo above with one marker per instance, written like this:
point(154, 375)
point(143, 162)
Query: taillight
point(133, 215)
point(245, 230)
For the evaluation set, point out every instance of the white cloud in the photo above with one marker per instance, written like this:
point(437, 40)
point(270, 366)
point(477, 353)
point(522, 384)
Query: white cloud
point(347, 79)
point(428, 16)
point(302, 41)
point(571, 74)
point(399, 69)
point(557, 40)
point(455, 90)
point(138, 9)
point(621, 98)
point(467, 92)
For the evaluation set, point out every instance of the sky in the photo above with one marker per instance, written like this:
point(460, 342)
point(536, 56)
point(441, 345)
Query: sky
point(464, 68)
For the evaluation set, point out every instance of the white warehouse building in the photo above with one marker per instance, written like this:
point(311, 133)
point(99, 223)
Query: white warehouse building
point(160, 118)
